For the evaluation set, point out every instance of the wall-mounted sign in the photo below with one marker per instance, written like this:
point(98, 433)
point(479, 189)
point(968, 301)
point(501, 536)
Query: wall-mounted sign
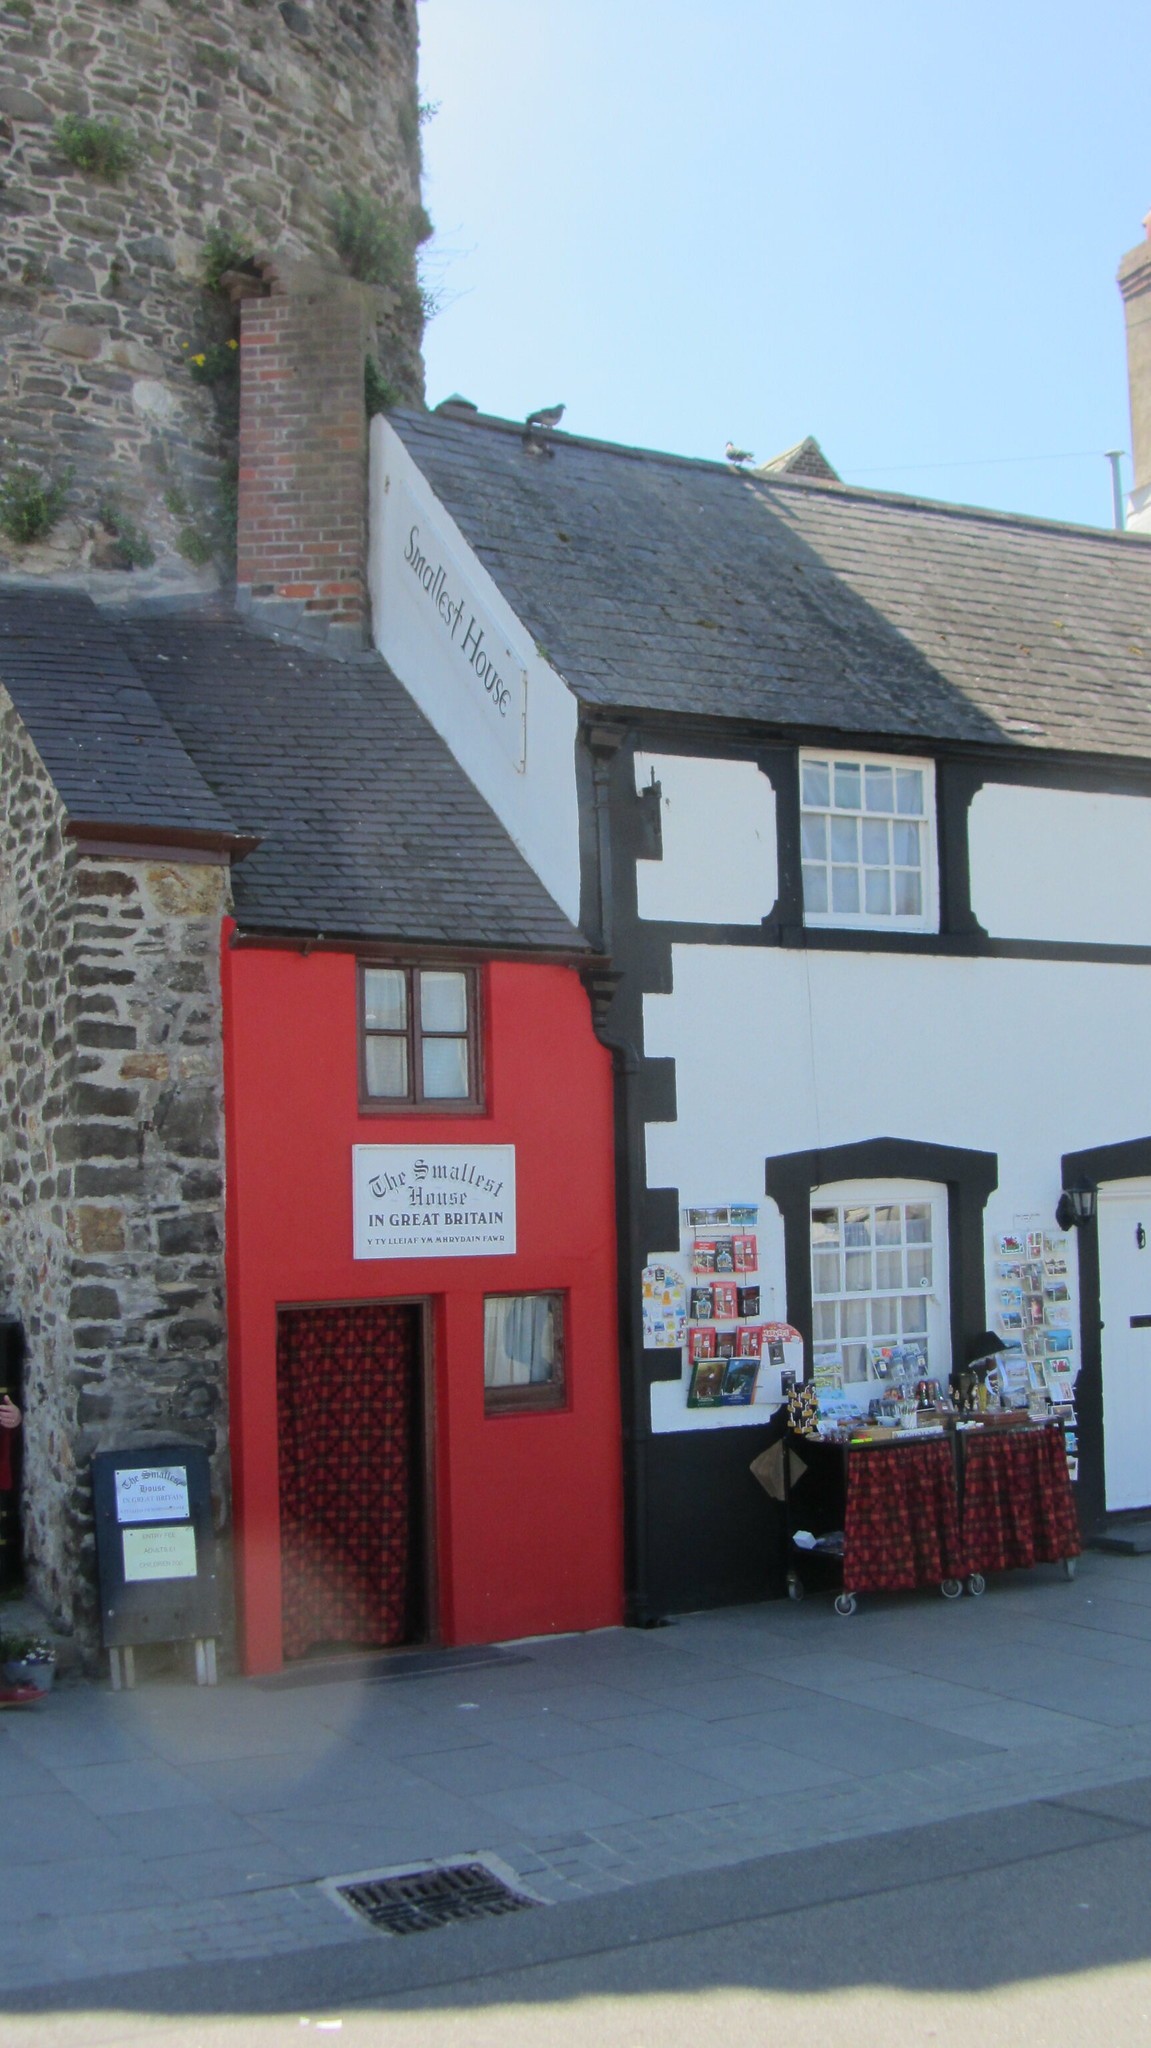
point(429, 575)
point(159, 1554)
point(433, 1201)
point(152, 1493)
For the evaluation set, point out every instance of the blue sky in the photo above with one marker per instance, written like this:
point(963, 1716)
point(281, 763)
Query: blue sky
point(895, 226)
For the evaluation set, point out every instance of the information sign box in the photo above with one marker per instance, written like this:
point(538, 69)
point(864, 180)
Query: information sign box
point(155, 1545)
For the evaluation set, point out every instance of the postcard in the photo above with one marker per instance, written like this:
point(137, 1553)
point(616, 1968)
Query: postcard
point(725, 1343)
point(747, 1301)
point(739, 1382)
point(703, 1255)
point(701, 1304)
point(705, 1383)
point(1054, 1247)
point(1058, 1340)
point(1033, 1310)
point(1031, 1277)
point(1056, 1290)
point(1055, 1268)
point(750, 1343)
point(1010, 1246)
point(1009, 1269)
point(1011, 1297)
point(1035, 1244)
point(724, 1301)
point(1058, 1316)
point(700, 1344)
point(744, 1215)
point(746, 1252)
point(724, 1255)
point(1010, 1319)
point(706, 1220)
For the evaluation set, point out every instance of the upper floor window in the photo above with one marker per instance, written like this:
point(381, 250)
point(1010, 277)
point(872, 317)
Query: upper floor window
point(419, 1038)
point(868, 840)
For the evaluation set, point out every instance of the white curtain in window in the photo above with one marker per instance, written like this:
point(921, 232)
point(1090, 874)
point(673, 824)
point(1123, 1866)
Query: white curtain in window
point(519, 1340)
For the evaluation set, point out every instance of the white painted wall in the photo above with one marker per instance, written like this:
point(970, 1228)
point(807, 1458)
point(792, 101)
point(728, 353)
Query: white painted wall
point(515, 738)
point(783, 1051)
point(1061, 864)
point(719, 848)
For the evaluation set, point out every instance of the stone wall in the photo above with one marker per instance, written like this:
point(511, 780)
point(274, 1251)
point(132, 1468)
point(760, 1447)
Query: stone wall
point(249, 114)
point(112, 1162)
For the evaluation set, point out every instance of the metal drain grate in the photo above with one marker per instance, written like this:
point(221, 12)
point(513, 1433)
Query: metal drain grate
point(416, 1900)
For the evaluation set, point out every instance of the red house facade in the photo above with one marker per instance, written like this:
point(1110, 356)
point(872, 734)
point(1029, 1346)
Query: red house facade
point(511, 1521)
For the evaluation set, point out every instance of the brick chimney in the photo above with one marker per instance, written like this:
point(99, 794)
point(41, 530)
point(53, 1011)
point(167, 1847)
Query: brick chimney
point(1135, 285)
point(301, 542)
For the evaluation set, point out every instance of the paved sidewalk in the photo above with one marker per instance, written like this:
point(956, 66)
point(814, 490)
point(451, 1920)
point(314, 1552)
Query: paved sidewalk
point(173, 1825)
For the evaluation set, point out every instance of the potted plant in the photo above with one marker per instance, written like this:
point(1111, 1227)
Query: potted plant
point(28, 1660)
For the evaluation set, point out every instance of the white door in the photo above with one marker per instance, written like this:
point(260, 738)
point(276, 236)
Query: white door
point(1124, 1214)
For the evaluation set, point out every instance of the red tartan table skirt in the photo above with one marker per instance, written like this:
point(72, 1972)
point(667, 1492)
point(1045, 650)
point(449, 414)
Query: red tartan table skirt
point(1018, 1507)
point(902, 1524)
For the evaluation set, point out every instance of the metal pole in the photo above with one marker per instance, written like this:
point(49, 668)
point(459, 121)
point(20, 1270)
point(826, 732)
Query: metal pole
point(1115, 458)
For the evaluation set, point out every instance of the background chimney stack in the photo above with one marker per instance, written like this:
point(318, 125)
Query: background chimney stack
point(1135, 285)
point(301, 540)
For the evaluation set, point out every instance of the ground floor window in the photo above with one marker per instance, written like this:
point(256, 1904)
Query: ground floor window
point(879, 1281)
point(524, 1364)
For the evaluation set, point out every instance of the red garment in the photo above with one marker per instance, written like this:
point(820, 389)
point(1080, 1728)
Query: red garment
point(902, 1524)
point(346, 1380)
point(1018, 1507)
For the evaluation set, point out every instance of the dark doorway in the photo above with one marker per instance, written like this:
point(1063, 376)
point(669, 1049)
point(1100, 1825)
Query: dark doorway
point(352, 1506)
point(11, 1456)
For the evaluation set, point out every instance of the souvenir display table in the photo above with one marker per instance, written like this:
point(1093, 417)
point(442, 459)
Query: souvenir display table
point(943, 1508)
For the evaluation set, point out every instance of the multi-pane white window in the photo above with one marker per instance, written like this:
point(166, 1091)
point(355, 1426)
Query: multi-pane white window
point(879, 1281)
point(867, 834)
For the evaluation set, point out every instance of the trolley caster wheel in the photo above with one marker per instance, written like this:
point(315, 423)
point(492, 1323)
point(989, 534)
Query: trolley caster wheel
point(795, 1587)
point(976, 1585)
point(951, 1588)
point(845, 1603)
point(1069, 1567)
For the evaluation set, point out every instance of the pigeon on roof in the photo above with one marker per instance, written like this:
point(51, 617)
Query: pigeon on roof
point(547, 416)
point(738, 455)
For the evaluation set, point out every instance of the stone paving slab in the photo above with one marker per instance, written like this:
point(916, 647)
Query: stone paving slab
point(172, 1825)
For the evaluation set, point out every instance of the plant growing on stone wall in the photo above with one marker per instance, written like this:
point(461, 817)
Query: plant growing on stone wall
point(377, 243)
point(104, 149)
point(224, 251)
point(133, 549)
point(218, 362)
point(30, 505)
point(380, 395)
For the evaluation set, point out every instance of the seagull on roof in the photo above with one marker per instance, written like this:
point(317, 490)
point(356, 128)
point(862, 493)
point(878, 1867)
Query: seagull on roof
point(738, 455)
point(547, 416)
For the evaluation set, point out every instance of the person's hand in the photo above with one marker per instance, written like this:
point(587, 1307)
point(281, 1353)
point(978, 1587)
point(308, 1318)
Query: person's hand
point(9, 1413)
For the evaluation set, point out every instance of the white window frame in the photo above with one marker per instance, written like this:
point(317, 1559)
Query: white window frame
point(937, 1295)
point(926, 919)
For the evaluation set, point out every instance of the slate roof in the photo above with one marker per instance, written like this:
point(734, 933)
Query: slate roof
point(111, 753)
point(677, 586)
point(369, 827)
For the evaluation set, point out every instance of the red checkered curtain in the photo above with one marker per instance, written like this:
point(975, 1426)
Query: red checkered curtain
point(346, 1382)
point(902, 1524)
point(1018, 1507)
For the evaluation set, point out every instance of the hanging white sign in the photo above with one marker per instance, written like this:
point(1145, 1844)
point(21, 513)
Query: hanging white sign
point(433, 1201)
point(159, 1554)
point(152, 1493)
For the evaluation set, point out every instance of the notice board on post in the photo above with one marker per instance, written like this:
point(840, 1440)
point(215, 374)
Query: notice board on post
point(155, 1545)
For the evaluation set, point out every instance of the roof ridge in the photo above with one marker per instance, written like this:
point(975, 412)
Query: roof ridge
point(857, 493)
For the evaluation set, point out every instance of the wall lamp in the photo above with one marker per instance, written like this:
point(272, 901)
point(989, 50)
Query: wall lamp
point(1076, 1205)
